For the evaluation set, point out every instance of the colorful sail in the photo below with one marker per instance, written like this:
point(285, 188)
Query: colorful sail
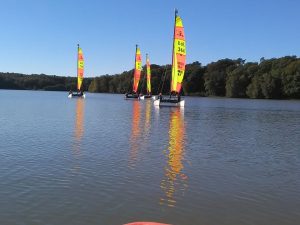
point(137, 69)
point(80, 68)
point(148, 75)
point(179, 55)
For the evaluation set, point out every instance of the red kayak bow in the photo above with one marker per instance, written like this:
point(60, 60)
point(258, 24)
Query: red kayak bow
point(146, 223)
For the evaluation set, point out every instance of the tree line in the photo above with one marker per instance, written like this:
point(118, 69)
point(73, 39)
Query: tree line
point(276, 78)
point(40, 82)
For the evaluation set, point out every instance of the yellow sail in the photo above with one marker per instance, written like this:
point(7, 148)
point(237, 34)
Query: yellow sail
point(179, 56)
point(137, 69)
point(148, 74)
point(80, 68)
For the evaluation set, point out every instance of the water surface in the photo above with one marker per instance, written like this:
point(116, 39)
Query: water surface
point(105, 160)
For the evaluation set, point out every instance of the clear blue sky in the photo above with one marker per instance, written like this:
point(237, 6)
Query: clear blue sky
point(40, 36)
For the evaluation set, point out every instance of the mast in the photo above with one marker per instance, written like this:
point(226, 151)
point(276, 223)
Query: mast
point(80, 68)
point(136, 46)
point(148, 74)
point(179, 56)
point(137, 69)
point(176, 12)
point(77, 64)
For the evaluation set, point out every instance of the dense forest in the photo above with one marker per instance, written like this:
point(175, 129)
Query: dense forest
point(270, 78)
point(40, 82)
point(276, 78)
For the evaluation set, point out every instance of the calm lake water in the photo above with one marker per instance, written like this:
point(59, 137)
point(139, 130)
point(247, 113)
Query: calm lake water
point(104, 160)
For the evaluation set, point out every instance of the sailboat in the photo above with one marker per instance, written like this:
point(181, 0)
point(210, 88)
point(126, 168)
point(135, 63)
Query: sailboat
point(178, 67)
point(148, 69)
point(136, 75)
point(80, 68)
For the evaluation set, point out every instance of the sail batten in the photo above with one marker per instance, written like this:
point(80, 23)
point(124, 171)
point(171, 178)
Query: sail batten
point(80, 68)
point(137, 69)
point(179, 55)
point(148, 75)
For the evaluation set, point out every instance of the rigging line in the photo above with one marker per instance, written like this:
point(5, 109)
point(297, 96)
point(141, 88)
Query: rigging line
point(130, 83)
point(142, 86)
point(164, 78)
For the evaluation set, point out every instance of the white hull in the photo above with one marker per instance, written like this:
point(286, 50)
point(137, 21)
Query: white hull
point(70, 96)
point(170, 104)
point(145, 97)
point(154, 97)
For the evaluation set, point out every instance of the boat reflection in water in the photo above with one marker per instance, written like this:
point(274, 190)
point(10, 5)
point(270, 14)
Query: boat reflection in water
point(135, 133)
point(147, 119)
point(79, 129)
point(175, 181)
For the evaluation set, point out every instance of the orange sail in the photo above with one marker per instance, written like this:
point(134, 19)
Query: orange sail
point(148, 75)
point(137, 69)
point(80, 68)
point(179, 55)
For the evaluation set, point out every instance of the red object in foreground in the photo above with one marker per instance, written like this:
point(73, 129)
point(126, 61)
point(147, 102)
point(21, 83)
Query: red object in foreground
point(146, 223)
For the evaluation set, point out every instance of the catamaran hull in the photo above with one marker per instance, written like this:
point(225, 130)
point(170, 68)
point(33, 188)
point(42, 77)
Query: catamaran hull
point(132, 97)
point(158, 102)
point(76, 96)
point(146, 97)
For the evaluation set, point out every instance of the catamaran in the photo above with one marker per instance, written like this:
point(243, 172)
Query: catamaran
point(136, 75)
point(148, 69)
point(178, 67)
point(80, 68)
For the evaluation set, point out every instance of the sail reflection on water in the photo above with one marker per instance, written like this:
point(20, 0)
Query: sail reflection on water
point(79, 119)
point(135, 132)
point(147, 118)
point(174, 181)
point(78, 129)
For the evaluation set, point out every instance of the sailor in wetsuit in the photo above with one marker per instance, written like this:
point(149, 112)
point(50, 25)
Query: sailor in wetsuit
point(160, 96)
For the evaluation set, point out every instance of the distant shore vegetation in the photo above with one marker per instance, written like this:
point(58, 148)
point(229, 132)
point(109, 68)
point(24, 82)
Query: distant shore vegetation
point(276, 78)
